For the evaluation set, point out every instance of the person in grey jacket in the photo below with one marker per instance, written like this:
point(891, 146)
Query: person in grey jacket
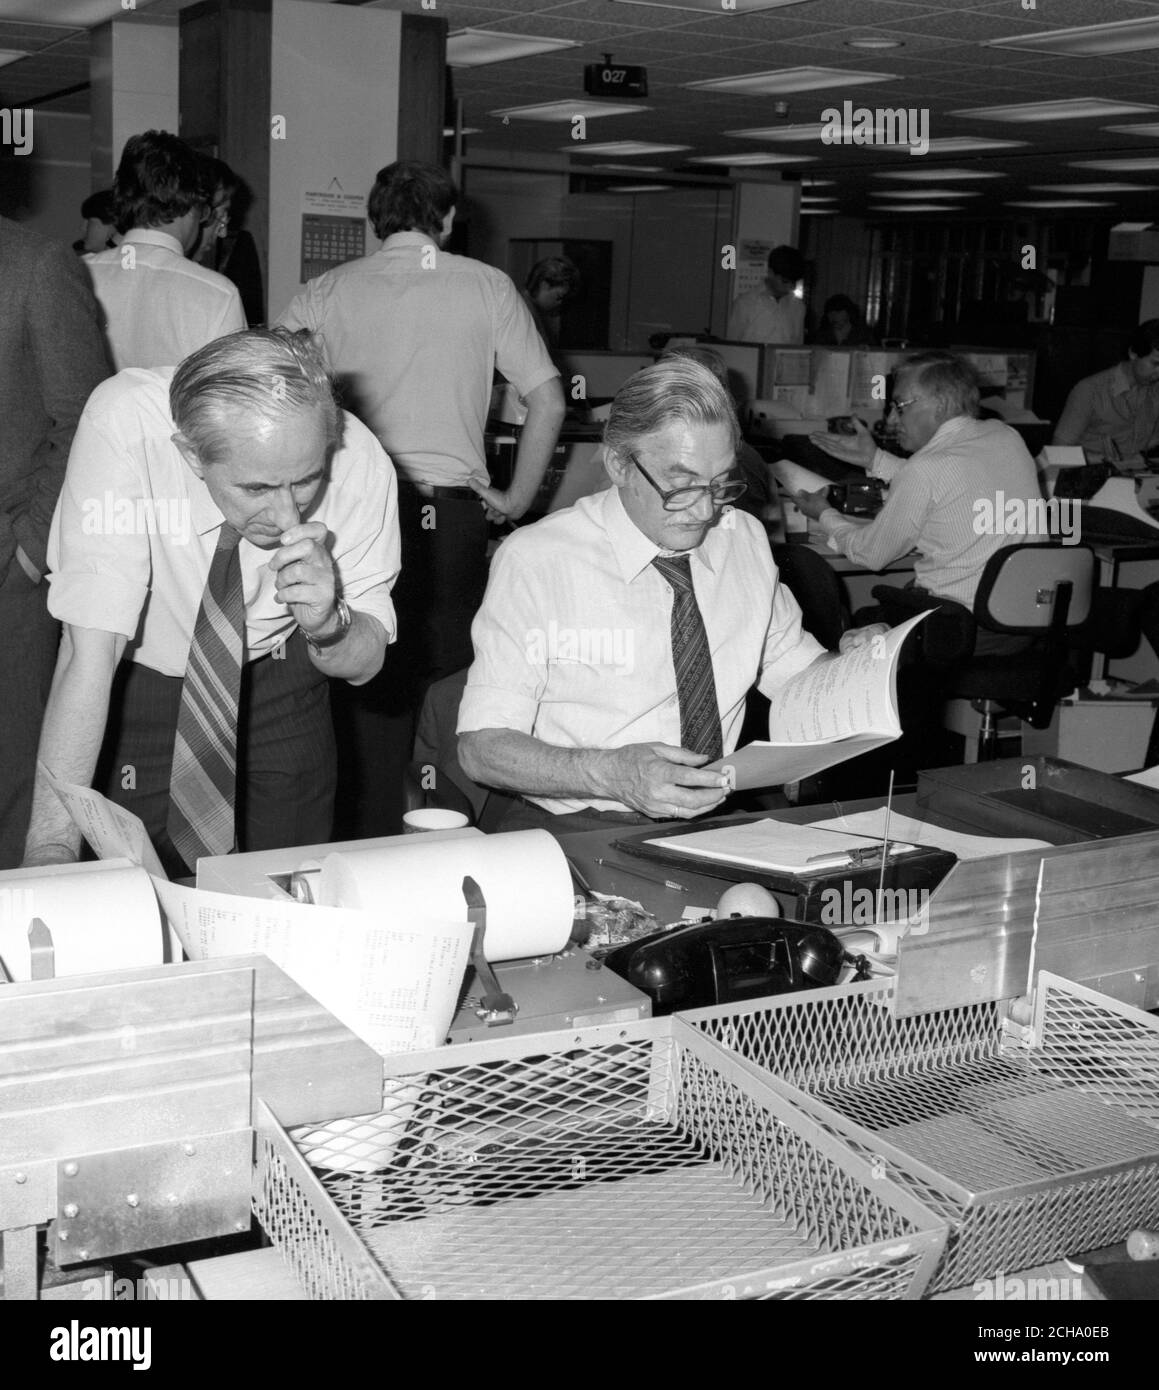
point(52, 354)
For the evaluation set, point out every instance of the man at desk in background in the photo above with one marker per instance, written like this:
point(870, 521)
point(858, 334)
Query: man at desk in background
point(618, 639)
point(956, 462)
point(772, 313)
point(232, 533)
point(1114, 414)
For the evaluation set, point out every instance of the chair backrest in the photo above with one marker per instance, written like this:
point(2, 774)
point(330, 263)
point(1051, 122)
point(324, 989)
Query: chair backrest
point(1021, 585)
point(816, 586)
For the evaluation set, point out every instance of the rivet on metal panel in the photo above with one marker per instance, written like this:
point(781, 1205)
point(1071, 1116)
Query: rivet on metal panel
point(172, 1199)
point(21, 1178)
point(82, 1254)
point(240, 1226)
point(133, 1200)
point(188, 1150)
point(71, 1210)
point(62, 1235)
point(70, 1170)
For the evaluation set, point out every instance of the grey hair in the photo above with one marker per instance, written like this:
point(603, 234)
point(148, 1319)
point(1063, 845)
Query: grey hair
point(947, 375)
point(676, 390)
point(265, 374)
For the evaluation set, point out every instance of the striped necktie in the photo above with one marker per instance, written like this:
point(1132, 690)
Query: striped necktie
point(202, 780)
point(695, 686)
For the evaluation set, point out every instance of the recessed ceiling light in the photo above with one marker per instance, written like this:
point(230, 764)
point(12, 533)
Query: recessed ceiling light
point(1058, 203)
point(1089, 40)
point(820, 212)
point(917, 207)
point(936, 175)
point(745, 159)
point(798, 133)
point(1070, 109)
point(784, 80)
point(640, 188)
point(473, 48)
point(963, 144)
point(808, 181)
point(628, 168)
point(1073, 188)
point(819, 198)
point(567, 110)
point(917, 194)
point(1148, 130)
point(623, 148)
point(871, 42)
point(1117, 166)
point(449, 131)
point(714, 6)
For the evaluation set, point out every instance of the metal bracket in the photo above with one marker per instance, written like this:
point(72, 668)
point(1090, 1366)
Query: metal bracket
point(495, 1005)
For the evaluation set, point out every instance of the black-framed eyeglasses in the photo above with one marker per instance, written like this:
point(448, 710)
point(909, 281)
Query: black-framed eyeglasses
point(680, 498)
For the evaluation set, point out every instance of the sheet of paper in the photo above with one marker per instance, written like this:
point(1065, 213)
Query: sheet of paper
point(793, 478)
point(113, 832)
point(773, 764)
point(394, 985)
point(100, 916)
point(832, 372)
point(1149, 777)
point(916, 832)
point(770, 844)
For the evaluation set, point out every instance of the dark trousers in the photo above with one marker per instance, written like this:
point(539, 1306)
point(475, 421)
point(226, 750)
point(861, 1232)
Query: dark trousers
point(440, 588)
point(286, 763)
point(525, 815)
point(30, 640)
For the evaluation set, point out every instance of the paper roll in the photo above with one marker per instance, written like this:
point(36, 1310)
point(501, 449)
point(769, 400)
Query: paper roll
point(100, 916)
point(523, 876)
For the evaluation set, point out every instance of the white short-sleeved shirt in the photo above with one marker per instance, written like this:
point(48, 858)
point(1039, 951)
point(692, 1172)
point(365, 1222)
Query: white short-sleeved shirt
point(758, 317)
point(158, 305)
point(414, 335)
point(573, 641)
point(135, 531)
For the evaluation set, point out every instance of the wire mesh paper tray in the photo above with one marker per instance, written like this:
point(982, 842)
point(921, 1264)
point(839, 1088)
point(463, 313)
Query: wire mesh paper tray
point(636, 1160)
point(1033, 1143)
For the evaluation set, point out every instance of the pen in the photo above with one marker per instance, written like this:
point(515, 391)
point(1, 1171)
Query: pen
point(637, 873)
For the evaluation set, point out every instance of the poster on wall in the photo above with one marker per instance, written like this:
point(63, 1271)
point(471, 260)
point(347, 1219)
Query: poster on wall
point(333, 230)
point(752, 266)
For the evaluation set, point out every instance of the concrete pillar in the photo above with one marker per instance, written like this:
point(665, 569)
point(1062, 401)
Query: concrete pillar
point(133, 74)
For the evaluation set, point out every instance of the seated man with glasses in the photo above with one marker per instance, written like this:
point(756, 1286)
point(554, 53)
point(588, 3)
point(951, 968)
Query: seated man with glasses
point(950, 500)
point(618, 638)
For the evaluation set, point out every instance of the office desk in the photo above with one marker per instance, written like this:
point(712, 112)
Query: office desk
point(1128, 565)
point(859, 582)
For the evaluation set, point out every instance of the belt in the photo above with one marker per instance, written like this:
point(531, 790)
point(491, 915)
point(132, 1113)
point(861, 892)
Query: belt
point(439, 493)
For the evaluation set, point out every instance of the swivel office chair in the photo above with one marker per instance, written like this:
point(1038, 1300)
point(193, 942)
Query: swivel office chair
point(1039, 591)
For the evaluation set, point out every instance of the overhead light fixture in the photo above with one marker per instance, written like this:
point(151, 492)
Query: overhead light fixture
point(713, 7)
point(10, 56)
point(1071, 109)
point(474, 48)
point(917, 207)
point(640, 188)
point(1072, 188)
point(628, 168)
point(795, 133)
point(819, 198)
point(74, 14)
point(781, 81)
point(936, 175)
point(917, 194)
point(808, 181)
point(1058, 203)
point(872, 41)
point(964, 144)
point(567, 110)
point(1089, 40)
point(623, 148)
point(1149, 130)
point(1118, 166)
point(819, 212)
point(449, 131)
point(747, 159)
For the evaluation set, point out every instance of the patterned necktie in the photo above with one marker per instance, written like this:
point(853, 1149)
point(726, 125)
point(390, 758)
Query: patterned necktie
point(202, 780)
point(695, 686)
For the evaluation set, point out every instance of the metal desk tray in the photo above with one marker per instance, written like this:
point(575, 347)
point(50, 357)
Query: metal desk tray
point(1034, 1143)
point(634, 1160)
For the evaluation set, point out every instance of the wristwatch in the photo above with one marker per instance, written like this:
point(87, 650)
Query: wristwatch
point(344, 620)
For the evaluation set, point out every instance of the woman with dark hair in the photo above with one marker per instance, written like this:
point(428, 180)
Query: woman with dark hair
point(225, 245)
point(550, 282)
point(842, 325)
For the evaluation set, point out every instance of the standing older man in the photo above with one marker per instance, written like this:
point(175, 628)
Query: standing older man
point(948, 499)
point(619, 638)
point(51, 357)
point(231, 534)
